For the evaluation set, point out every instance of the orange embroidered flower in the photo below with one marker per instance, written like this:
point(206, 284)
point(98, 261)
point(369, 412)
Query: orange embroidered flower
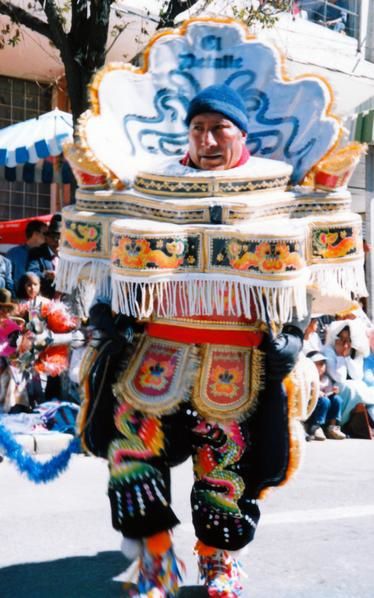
point(155, 373)
point(132, 252)
point(225, 381)
point(234, 248)
point(263, 250)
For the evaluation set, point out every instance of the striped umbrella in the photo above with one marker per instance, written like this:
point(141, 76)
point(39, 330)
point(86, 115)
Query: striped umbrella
point(50, 170)
point(35, 139)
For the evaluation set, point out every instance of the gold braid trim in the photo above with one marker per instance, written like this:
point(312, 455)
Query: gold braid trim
point(86, 151)
point(89, 359)
point(342, 159)
point(294, 433)
point(293, 395)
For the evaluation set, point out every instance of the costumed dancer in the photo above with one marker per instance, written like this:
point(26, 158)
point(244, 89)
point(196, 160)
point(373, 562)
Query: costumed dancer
point(229, 411)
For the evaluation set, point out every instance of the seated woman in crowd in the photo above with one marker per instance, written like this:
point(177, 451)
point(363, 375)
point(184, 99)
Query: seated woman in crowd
point(346, 347)
point(369, 360)
point(325, 419)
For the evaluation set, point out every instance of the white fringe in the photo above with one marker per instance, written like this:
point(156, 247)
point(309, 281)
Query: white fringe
point(71, 270)
point(170, 298)
point(348, 277)
point(205, 294)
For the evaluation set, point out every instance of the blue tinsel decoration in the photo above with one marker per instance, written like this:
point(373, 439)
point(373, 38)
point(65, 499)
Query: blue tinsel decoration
point(35, 470)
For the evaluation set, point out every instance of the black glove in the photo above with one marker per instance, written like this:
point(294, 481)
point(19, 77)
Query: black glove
point(119, 328)
point(282, 352)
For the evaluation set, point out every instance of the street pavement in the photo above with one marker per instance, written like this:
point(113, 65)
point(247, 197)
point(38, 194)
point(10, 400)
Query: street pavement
point(315, 538)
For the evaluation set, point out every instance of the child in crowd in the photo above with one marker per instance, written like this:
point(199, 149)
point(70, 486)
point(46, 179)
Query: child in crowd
point(325, 419)
point(29, 293)
point(29, 286)
point(29, 308)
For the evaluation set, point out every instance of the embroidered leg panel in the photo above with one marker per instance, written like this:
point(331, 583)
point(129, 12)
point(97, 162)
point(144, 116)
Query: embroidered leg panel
point(223, 512)
point(140, 506)
point(139, 486)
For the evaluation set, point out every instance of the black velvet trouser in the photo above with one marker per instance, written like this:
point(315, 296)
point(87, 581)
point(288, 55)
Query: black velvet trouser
point(233, 462)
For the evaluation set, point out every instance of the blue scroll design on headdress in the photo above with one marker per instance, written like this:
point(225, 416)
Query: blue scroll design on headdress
point(171, 103)
point(184, 83)
point(260, 104)
point(170, 106)
point(289, 119)
point(275, 138)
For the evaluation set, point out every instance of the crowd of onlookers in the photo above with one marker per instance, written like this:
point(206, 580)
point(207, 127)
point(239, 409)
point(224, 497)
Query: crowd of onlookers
point(37, 328)
point(342, 351)
point(39, 255)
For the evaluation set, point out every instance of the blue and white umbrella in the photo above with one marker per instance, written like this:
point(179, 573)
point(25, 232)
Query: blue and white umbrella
point(35, 139)
point(47, 171)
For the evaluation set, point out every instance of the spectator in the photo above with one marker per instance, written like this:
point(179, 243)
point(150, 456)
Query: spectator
point(29, 288)
point(369, 360)
point(296, 10)
point(336, 16)
point(6, 279)
point(312, 341)
point(325, 419)
point(313, 8)
point(346, 347)
point(5, 380)
point(13, 389)
point(9, 329)
point(29, 294)
point(19, 255)
point(31, 301)
point(43, 259)
point(331, 14)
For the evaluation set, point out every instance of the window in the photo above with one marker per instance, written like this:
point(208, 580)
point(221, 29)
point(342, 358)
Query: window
point(20, 100)
point(339, 15)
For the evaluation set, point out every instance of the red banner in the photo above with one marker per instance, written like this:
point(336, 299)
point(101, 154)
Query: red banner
point(12, 232)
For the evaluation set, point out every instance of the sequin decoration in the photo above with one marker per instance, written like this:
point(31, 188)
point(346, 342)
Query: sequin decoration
point(222, 487)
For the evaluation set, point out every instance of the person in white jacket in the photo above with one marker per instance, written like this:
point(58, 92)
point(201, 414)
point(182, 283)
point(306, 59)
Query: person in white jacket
point(346, 347)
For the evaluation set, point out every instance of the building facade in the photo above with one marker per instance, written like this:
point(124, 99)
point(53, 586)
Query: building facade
point(21, 99)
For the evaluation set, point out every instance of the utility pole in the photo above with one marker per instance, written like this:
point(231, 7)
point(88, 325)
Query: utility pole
point(370, 228)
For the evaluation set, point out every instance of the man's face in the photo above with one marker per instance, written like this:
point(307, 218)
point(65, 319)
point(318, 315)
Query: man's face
point(38, 237)
point(215, 142)
point(53, 240)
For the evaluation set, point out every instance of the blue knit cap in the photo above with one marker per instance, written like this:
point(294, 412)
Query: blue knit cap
point(219, 98)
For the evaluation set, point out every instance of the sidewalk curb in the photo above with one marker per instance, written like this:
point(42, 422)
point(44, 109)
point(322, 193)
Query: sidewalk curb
point(50, 443)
